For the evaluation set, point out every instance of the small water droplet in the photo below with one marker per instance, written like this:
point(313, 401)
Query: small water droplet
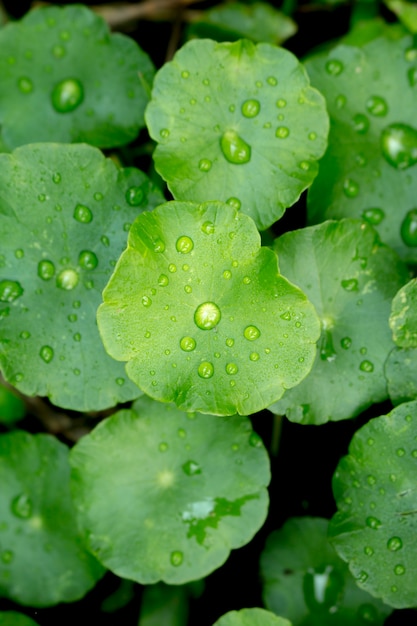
point(10, 290)
point(67, 95)
point(377, 106)
point(254, 356)
point(360, 123)
point(340, 101)
point(350, 284)
point(373, 523)
point(334, 67)
point(158, 245)
point(184, 244)
point(366, 366)
point(251, 108)
point(208, 228)
point(146, 301)
point(234, 202)
point(187, 344)
point(394, 544)
point(134, 196)
point(25, 334)
point(188, 289)
point(207, 315)
point(120, 381)
point(25, 84)
point(399, 145)
point(373, 216)
point(88, 260)
point(251, 333)
point(83, 214)
point(312, 136)
point(400, 452)
point(227, 274)
point(77, 337)
point(350, 188)
point(371, 480)
point(67, 279)
point(282, 132)
point(163, 280)
point(234, 148)
point(21, 506)
point(172, 268)
point(177, 557)
point(7, 556)
point(231, 368)
point(163, 446)
point(409, 229)
point(399, 570)
point(370, 441)
point(368, 551)
point(230, 342)
point(205, 369)
point(46, 353)
point(271, 80)
point(191, 468)
point(204, 165)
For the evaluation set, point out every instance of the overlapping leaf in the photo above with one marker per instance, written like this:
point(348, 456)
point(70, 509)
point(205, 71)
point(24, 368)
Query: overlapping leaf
point(251, 617)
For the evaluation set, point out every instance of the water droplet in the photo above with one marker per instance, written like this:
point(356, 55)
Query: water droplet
point(399, 145)
point(191, 468)
point(373, 216)
point(164, 132)
point(22, 506)
point(409, 229)
point(360, 123)
point(282, 132)
point(83, 214)
point(368, 614)
point(334, 67)
point(366, 366)
point(88, 260)
point(254, 356)
point(251, 333)
point(172, 268)
point(227, 274)
point(10, 290)
point(188, 289)
point(177, 557)
point(67, 279)
point(46, 353)
point(146, 301)
point(399, 570)
point(163, 280)
point(371, 480)
point(368, 551)
point(246, 280)
point(204, 165)
point(120, 382)
point(7, 556)
point(205, 369)
point(312, 136)
point(25, 84)
point(67, 95)
point(207, 315)
point(373, 522)
point(231, 368)
point(77, 337)
point(250, 108)
point(234, 148)
point(286, 316)
point(377, 106)
point(187, 344)
point(351, 284)
point(400, 452)
point(234, 202)
point(134, 196)
point(208, 228)
point(340, 101)
point(394, 544)
point(350, 188)
point(184, 245)
point(25, 334)
point(158, 245)
point(414, 454)
point(412, 76)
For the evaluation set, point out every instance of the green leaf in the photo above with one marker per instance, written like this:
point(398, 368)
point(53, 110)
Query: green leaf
point(403, 318)
point(192, 488)
point(164, 605)
point(406, 13)
point(351, 278)
point(64, 212)
point(375, 527)
point(42, 557)
point(65, 78)
point(11, 618)
point(400, 372)
point(201, 314)
point(251, 617)
point(305, 580)
point(369, 170)
point(12, 408)
point(225, 115)
point(259, 22)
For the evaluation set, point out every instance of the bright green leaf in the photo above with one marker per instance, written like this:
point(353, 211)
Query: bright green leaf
point(192, 488)
point(307, 582)
point(226, 115)
point(11, 618)
point(403, 318)
point(64, 213)
point(64, 77)
point(251, 617)
point(406, 13)
point(370, 167)
point(400, 372)
point(42, 557)
point(375, 527)
point(351, 278)
point(201, 314)
point(259, 22)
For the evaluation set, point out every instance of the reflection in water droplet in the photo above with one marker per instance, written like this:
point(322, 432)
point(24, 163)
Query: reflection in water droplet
point(351, 284)
point(134, 196)
point(67, 95)
point(207, 315)
point(46, 353)
point(399, 145)
point(251, 333)
point(187, 344)
point(205, 165)
point(394, 544)
point(205, 369)
point(250, 108)
point(67, 279)
point(373, 216)
point(10, 290)
point(360, 123)
point(83, 214)
point(234, 148)
point(409, 229)
point(184, 245)
point(88, 260)
point(21, 506)
point(177, 557)
point(377, 106)
point(334, 67)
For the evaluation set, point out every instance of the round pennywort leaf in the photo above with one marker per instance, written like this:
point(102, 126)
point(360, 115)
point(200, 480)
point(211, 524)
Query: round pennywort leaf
point(251, 617)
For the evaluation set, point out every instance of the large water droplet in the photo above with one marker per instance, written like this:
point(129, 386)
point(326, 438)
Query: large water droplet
point(184, 244)
point(83, 214)
point(394, 544)
point(67, 279)
point(22, 506)
point(251, 333)
point(399, 145)
point(134, 196)
point(67, 95)
point(176, 557)
point(250, 108)
point(409, 229)
point(88, 260)
point(373, 216)
point(234, 148)
point(205, 369)
point(10, 290)
point(377, 106)
point(187, 344)
point(207, 315)
point(191, 468)
point(46, 353)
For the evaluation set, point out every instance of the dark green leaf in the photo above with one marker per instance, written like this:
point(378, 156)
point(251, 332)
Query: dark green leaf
point(251, 617)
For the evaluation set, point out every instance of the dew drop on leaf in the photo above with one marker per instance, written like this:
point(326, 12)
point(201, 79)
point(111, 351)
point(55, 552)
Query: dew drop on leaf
point(207, 315)
point(334, 67)
point(399, 145)
point(67, 279)
point(163, 446)
point(366, 366)
point(373, 216)
point(146, 301)
point(251, 333)
point(10, 290)
point(360, 123)
point(25, 84)
point(350, 188)
point(412, 76)
point(67, 95)
point(231, 368)
point(163, 280)
point(409, 229)
point(208, 228)
point(234, 202)
point(88, 260)
point(254, 356)
point(250, 108)
point(377, 106)
point(159, 245)
point(399, 570)
point(373, 522)
point(234, 148)
point(368, 614)
point(177, 557)
point(7, 556)
point(134, 196)
point(172, 268)
point(204, 165)
point(184, 244)
point(187, 344)
point(368, 551)
point(21, 506)
point(350, 284)
point(191, 468)
point(205, 369)
point(46, 353)
point(394, 544)
point(282, 132)
point(83, 214)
